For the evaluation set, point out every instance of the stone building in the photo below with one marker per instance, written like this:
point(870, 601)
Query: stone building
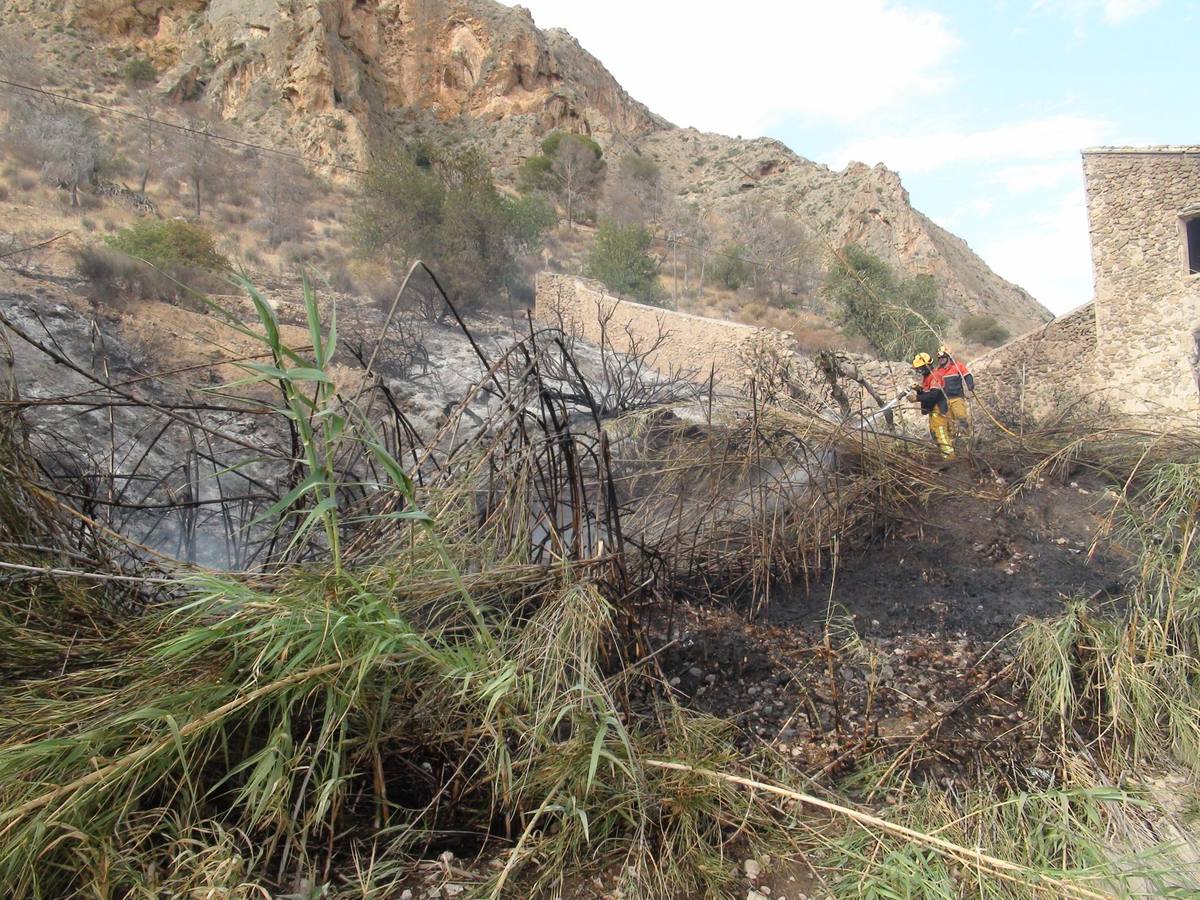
point(1144, 214)
point(1135, 349)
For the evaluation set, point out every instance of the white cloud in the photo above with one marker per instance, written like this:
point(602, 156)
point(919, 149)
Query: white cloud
point(1112, 12)
point(1020, 201)
point(737, 69)
point(1039, 176)
point(974, 211)
point(982, 207)
point(1050, 255)
point(1033, 139)
point(1118, 11)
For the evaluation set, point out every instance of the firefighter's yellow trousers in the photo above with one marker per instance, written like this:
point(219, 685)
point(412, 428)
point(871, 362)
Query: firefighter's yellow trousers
point(939, 429)
point(959, 416)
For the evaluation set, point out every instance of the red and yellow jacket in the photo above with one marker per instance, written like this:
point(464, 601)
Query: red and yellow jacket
point(956, 379)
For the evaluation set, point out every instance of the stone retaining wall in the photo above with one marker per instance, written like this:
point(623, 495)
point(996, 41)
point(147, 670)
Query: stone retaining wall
point(695, 346)
point(1033, 376)
point(1044, 371)
point(692, 345)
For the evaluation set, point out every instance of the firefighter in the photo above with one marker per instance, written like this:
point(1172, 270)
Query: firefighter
point(932, 398)
point(956, 381)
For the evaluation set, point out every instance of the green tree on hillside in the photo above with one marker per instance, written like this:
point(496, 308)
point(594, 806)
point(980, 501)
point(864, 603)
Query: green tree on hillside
point(444, 208)
point(634, 193)
point(730, 268)
point(570, 166)
point(897, 316)
point(400, 207)
point(619, 259)
point(534, 174)
point(983, 329)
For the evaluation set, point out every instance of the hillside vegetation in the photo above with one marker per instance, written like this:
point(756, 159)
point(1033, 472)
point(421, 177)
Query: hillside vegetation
point(482, 670)
point(707, 202)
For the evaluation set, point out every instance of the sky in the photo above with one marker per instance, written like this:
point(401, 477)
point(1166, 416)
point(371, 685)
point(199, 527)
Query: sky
point(982, 106)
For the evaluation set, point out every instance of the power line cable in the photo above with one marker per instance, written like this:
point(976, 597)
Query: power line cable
point(113, 110)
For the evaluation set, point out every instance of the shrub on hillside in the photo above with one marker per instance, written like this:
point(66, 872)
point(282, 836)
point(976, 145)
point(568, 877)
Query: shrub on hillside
point(114, 278)
point(530, 217)
point(171, 261)
point(730, 268)
point(535, 174)
point(138, 71)
point(444, 208)
point(570, 166)
point(619, 258)
point(981, 328)
point(171, 243)
point(554, 142)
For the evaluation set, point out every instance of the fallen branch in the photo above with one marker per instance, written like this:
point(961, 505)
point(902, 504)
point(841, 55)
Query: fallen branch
point(34, 246)
point(940, 720)
point(1000, 867)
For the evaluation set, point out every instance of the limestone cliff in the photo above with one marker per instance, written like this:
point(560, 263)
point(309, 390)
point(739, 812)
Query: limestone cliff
point(324, 76)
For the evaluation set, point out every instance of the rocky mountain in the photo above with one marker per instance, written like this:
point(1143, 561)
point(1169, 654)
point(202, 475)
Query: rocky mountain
point(325, 76)
point(863, 205)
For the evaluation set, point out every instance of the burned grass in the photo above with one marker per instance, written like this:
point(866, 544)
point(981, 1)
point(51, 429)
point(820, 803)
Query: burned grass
point(972, 562)
point(477, 650)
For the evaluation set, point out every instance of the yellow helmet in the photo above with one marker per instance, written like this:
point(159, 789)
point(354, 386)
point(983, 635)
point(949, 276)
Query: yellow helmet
point(943, 350)
point(922, 359)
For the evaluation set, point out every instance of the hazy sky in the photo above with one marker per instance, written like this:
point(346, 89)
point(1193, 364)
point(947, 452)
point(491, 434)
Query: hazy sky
point(982, 106)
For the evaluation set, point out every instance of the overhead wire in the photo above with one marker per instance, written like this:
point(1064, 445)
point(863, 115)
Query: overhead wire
point(213, 135)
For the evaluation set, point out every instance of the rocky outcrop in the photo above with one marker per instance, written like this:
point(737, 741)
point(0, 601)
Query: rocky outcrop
point(861, 204)
point(324, 74)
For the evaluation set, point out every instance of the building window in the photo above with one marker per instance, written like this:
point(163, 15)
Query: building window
point(1192, 227)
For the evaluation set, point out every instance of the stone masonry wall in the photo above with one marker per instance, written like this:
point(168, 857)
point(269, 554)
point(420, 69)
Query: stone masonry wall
point(1147, 305)
point(1134, 350)
point(1038, 374)
point(694, 344)
point(1043, 371)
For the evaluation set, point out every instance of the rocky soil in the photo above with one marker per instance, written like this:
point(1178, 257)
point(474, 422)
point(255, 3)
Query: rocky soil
point(969, 564)
point(904, 638)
